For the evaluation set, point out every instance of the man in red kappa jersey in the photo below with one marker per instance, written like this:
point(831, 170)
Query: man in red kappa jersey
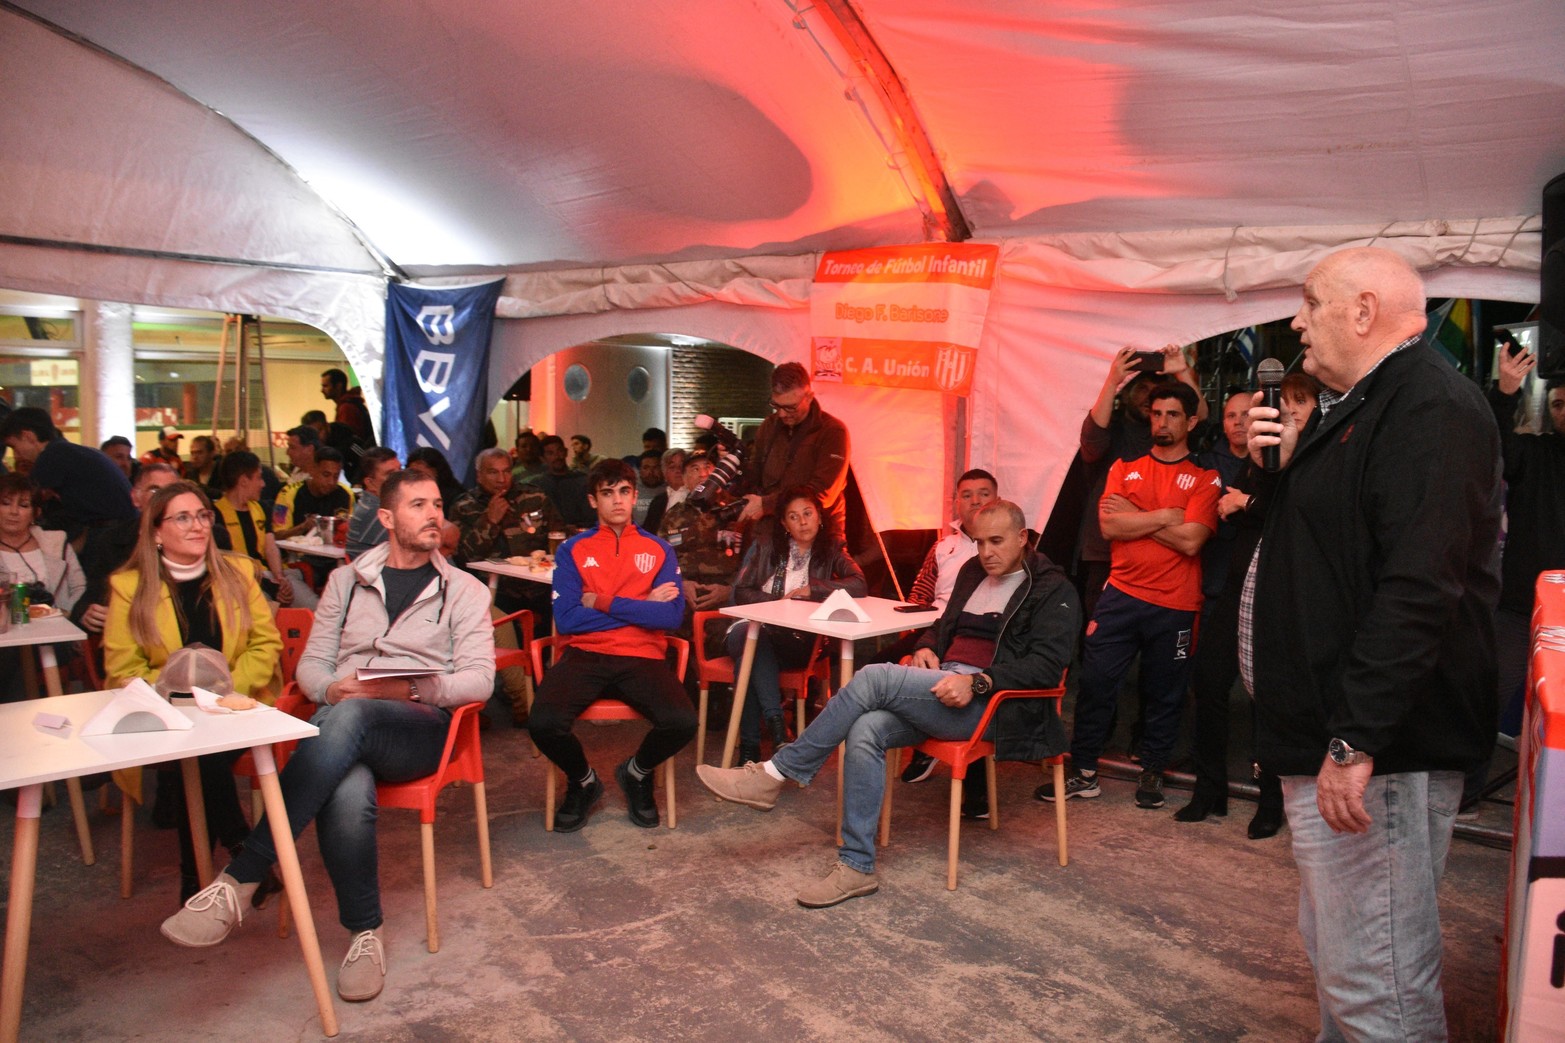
point(616, 590)
point(1157, 511)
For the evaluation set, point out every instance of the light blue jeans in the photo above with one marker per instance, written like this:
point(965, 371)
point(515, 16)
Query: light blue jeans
point(331, 779)
point(882, 708)
point(1367, 905)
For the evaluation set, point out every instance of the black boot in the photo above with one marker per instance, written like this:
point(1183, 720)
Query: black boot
point(1268, 816)
point(749, 751)
point(775, 724)
point(1201, 805)
point(1266, 823)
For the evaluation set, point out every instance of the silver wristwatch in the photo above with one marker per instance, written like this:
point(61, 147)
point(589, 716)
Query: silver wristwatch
point(1343, 755)
point(413, 689)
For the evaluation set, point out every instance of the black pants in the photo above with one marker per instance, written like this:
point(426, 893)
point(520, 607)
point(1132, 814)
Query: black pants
point(225, 819)
point(1216, 670)
point(580, 678)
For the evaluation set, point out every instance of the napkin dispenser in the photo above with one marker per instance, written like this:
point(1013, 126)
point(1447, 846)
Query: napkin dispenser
point(136, 708)
point(841, 608)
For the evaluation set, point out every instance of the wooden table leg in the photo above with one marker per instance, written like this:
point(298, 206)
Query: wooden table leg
point(752, 634)
point(73, 785)
point(842, 748)
point(293, 880)
point(195, 807)
point(19, 914)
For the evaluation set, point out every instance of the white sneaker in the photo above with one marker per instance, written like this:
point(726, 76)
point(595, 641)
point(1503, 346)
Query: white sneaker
point(363, 970)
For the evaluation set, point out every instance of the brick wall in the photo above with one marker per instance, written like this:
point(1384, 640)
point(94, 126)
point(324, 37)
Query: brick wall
point(715, 379)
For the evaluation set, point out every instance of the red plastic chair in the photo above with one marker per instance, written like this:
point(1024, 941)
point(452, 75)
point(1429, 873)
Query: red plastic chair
point(606, 710)
point(723, 670)
point(960, 754)
point(295, 625)
point(507, 658)
point(462, 760)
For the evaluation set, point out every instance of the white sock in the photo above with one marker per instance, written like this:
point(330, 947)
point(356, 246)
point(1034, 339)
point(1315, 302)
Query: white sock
point(771, 770)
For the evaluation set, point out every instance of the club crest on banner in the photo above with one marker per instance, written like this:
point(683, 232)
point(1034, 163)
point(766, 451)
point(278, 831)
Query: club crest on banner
point(953, 368)
point(646, 562)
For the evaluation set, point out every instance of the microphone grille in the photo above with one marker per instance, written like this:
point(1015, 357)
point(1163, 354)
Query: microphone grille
point(1269, 372)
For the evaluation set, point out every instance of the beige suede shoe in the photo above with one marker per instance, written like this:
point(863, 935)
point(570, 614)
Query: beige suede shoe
point(210, 914)
point(842, 883)
point(363, 971)
point(749, 785)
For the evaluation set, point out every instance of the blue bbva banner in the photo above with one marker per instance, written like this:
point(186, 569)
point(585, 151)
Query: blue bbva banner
point(437, 369)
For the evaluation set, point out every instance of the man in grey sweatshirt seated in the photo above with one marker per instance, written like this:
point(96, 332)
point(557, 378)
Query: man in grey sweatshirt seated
point(400, 606)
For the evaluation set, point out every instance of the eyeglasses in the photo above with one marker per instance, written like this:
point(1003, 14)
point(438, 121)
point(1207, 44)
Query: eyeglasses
point(779, 407)
point(185, 520)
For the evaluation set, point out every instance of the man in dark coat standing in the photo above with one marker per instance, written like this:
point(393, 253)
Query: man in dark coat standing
point(1367, 636)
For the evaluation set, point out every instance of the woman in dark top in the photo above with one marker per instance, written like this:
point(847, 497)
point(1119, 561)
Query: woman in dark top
point(797, 553)
point(178, 590)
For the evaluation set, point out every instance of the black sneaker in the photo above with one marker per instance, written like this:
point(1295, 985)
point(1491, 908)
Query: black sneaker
point(1149, 790)
point(919, 768)
point(639, 803)
point(1076, 785)
point(573, 809)
point(975, 806)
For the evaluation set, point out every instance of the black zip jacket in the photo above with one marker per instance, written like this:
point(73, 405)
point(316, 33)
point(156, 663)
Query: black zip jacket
point(1037, 638)
point(1378, 576)
point(831, 568)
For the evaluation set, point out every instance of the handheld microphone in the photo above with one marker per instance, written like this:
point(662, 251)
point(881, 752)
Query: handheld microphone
point(1269, 374)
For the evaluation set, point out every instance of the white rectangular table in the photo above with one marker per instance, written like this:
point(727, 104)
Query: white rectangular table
point(44, 634)
point(496, 569)
point(31, 755)
point(794, 613)
point(313, 550)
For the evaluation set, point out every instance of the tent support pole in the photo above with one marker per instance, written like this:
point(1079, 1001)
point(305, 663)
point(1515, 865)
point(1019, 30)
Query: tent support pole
point(266, 391)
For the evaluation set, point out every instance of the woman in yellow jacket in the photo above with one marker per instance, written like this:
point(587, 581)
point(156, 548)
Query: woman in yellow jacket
point(196, 594)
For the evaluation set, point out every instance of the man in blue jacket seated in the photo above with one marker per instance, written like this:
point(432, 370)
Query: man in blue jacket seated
point(1011, 622)
point(399, 607)
point(616, 591)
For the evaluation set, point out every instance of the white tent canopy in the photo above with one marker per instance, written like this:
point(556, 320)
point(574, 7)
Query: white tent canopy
point(1152, 172)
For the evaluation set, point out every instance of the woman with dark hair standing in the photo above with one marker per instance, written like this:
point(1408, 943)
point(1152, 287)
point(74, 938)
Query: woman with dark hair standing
point(797, 553)
point(178, 590)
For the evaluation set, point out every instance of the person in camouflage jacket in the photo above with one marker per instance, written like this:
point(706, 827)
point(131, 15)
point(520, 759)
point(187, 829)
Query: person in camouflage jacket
point(501, 519)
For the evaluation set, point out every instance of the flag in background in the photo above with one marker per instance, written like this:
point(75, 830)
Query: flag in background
point(1451, 332)
point(437, 369)
point(1245, 342)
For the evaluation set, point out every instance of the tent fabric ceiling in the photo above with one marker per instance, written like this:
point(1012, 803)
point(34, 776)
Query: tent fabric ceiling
point(491, 135)
point(1153, 171)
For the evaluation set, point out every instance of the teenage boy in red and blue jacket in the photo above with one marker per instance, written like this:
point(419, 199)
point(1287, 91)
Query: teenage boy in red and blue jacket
point(617, 590)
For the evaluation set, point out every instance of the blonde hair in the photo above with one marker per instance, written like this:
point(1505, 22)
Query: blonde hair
point(226, 582)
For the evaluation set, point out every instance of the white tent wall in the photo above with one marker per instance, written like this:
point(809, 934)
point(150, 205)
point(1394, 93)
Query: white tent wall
point(1060, 309)
point(351, 309)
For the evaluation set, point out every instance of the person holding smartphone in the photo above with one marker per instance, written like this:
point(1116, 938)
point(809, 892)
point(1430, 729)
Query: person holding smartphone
point(1116, 428)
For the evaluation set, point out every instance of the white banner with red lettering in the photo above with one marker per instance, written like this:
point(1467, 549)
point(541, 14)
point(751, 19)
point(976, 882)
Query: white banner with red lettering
point(901, 316)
